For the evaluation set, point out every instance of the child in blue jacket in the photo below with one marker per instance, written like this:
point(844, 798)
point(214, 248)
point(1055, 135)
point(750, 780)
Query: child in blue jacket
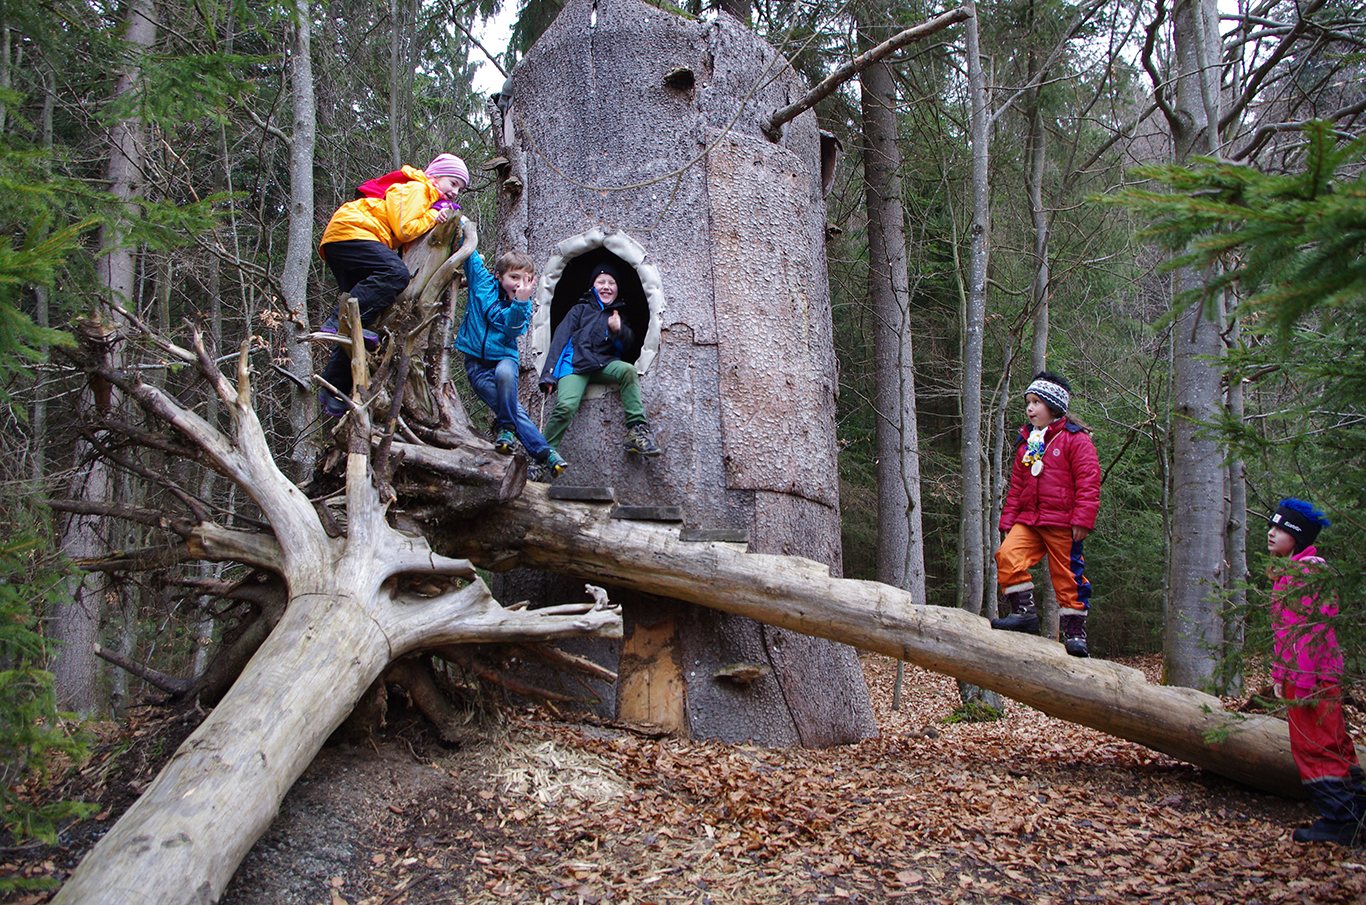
point(498, 311)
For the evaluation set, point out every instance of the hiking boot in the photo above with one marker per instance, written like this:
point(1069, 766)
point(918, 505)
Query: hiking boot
point(554, 464)
point(331, 403)
point(1073, 627)
point(506, 442)
point(370, 336)
point(640, 441)
point(1023, 617)
point(1321, 830)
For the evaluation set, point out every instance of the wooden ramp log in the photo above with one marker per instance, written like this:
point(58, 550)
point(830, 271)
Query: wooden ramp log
point(798, 594)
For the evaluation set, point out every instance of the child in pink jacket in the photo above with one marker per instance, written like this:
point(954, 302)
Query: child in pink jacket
point(1306, 672)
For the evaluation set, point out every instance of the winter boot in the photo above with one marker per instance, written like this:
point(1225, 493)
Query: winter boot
point(1023, 617)
point(1073, 626)
point(331, 403)
point(1324, 830)
point(1337, 799)
point(506, 442)
point(640, 441)
point(331, 325)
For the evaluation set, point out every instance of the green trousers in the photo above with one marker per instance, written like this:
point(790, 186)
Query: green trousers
point(569, 393)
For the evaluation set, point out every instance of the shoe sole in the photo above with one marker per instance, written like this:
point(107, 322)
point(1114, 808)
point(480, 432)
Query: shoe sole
point(648, 453)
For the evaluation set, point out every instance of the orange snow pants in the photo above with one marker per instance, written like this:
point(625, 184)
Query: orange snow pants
point(1025, 545)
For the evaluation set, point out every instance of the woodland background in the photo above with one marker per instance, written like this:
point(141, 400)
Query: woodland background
point(183, 158)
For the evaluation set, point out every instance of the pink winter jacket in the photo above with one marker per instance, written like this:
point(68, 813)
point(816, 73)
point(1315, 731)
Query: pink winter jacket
point(1306, 646)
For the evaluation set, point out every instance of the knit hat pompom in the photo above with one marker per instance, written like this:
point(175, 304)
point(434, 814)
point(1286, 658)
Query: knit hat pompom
point(1052, 389)
point(1300, 520)
point(448, 165)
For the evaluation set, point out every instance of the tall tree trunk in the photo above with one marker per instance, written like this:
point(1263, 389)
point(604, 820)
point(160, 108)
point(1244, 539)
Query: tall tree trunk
point(303, 407)
point(901, 544)
point(395, 81)
point(1039, 293)
point(1039, 288)
point(1193, 629)
point(41, 299)
point(1235, 548)
point(972, 544)
point(77, 621)
point(6, 61)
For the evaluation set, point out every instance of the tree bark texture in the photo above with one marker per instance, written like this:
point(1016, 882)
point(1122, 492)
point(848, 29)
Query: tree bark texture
point(1193, 627)
point(901, 544)
point(299, 247)
point(972, 544)
point(724, 231)
point(584, 541)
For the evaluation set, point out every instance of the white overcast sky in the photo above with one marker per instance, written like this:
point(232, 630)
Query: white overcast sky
point(493, 35)
point(495, 32)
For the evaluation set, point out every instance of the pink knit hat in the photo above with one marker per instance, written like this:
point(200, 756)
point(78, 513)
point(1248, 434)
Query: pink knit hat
point(449, 165)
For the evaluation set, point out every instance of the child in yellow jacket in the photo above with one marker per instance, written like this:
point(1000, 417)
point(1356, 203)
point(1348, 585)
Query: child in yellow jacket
point(361, 243)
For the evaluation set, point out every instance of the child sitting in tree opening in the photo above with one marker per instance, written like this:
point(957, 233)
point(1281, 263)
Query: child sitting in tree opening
point(587, 348)
point(498, 312)
point(361, 242)
point(1050, 509)
point(1306, 672)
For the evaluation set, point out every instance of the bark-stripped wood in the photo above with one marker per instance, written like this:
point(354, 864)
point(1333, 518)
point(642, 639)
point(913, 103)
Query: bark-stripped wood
point(356, 602)
point(797, 594)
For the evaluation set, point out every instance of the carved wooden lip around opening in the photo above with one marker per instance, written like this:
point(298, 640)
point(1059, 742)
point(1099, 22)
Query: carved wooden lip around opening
point(632, 255)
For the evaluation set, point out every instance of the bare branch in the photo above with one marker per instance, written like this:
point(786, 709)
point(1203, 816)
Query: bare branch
point(168, 684)
point(773, 128)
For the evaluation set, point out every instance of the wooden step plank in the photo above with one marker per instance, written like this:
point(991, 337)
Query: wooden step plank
point(649, 513)
point(714, 535)
point(582, 494)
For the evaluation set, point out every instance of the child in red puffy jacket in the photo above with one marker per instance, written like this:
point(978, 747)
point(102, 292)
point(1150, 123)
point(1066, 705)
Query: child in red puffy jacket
point(1051, 507)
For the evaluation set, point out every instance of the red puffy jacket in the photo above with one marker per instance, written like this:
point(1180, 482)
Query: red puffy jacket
point(1066, 491)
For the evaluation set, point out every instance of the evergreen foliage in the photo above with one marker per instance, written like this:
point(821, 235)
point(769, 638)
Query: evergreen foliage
point(33, 734)
point(1292, 248)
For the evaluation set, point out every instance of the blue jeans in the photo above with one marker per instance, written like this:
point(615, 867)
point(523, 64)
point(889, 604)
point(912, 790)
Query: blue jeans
point(495, 382)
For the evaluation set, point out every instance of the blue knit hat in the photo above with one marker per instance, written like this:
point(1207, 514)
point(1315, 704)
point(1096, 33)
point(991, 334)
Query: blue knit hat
point(1300, 520)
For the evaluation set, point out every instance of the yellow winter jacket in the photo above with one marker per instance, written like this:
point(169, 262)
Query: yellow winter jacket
point(404, 213)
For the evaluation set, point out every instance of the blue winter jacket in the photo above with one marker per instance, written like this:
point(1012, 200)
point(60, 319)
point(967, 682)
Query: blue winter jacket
point(582, 342)
point(492, 320)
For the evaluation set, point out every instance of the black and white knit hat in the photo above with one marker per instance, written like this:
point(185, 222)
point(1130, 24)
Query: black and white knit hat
point(1051, 392)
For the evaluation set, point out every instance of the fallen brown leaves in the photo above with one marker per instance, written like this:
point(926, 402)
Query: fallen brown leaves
point(1026, 809)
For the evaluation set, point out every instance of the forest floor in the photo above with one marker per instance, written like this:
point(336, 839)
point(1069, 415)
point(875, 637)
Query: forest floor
point(1025, 809)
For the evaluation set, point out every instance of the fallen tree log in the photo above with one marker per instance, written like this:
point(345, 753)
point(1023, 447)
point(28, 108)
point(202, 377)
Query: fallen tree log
point(355, 602)
point(582, 540)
